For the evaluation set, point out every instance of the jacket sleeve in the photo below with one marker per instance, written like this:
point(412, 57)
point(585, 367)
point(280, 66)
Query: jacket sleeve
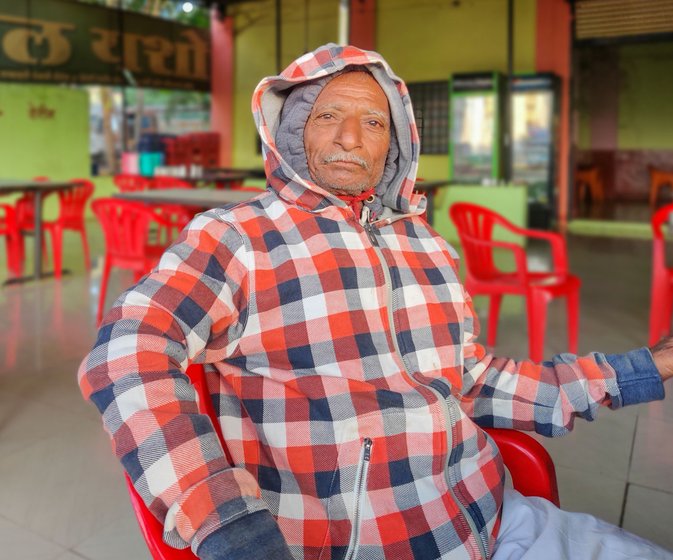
point(190, 308)
point(547, 397)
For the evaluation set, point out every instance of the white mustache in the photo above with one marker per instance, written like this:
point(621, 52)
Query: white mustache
point(346, 157)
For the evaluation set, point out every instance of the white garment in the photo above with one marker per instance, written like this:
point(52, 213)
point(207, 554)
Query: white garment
point(534, 529)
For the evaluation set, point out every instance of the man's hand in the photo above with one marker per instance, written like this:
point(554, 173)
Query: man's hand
point(662, 352)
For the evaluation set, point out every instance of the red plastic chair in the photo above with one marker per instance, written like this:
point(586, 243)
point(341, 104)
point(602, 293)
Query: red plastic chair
point(475, 225)
point(128, 183)
point(531, 470)
point(25, 216)
point(72, 204)
point(174, 219)
point(246, 188)
point(9, 228)
point(164, 182)
point(176, 214)
point(126, 226)
point(150, 527)
point(529, 464)
point(661, 295)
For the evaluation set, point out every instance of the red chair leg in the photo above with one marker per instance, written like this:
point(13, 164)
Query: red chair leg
point(14, 263)
point(536, 307)
point(57, 248)
point(493, 314)
point(573, 311)
point(659, 303)
point(85, 247)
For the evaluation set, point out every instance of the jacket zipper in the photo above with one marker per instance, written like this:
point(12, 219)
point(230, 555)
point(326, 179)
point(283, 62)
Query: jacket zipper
point(360, 488)
point(479, 538)
point(369, 228)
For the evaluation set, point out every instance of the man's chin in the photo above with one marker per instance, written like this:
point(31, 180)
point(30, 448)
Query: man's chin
point(342, 187)
point(345, 190)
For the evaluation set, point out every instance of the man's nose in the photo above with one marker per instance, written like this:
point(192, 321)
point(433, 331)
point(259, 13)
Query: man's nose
point(349, 134)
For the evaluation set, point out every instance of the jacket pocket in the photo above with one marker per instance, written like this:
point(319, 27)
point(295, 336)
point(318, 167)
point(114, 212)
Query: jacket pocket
point(359, 497)
point(345, 504)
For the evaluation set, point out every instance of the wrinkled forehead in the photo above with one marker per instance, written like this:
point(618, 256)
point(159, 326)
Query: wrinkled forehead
point(354, 85)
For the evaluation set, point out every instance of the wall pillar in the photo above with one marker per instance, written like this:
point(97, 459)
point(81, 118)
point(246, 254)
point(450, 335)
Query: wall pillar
point(362, 32)
point(222, 84)
point(553, 51)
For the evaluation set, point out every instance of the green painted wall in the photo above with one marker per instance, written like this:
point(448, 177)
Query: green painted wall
point(432, 40)
point(645, 90)
point(645, 108)
point(422, 40)
point(44, 131)
point(255, 57)
point(34, 141)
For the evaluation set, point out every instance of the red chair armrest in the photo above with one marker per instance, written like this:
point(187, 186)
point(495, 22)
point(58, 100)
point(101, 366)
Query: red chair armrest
point(529, 464)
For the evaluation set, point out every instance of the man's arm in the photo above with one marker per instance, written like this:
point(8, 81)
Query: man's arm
point(188, 309)
point(547, 397)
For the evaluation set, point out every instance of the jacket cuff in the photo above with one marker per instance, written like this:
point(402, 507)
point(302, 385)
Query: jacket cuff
point(250, 537)
point(638, 378)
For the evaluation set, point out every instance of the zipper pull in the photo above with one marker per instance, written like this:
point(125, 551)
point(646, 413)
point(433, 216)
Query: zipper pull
point(368, 449)
point(364, 215)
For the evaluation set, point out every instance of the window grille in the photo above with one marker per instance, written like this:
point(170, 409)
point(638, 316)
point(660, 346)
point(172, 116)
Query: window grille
point(431, 110)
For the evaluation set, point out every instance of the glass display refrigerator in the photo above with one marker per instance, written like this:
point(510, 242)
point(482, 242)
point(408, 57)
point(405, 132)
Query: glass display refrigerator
point(534, 118)
point(475, 140)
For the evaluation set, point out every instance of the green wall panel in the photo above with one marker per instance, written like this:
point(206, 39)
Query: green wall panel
point(432, 40)
point(646, 91)
point(44, 131)
point(508, 200)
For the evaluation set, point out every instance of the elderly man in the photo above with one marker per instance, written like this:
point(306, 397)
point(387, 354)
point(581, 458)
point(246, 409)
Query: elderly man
point(341, 357)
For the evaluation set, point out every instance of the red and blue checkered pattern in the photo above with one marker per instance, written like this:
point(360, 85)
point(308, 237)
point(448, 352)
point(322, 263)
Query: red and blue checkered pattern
point(345, 375)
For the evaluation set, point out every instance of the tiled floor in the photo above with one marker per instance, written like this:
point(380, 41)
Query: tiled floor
point(63, 497)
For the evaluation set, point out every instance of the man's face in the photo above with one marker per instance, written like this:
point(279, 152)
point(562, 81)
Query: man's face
point(347, 134)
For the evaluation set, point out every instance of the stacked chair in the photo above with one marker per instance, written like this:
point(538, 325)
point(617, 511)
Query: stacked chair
point(129, 243)
point(177, 215)
point(72, 206)
point(165, 182)
point(126, 182)
point(9, 228)
point(25, 217)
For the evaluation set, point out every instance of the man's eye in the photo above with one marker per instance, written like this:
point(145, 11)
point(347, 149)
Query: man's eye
point(326, 116)
point(375, 124)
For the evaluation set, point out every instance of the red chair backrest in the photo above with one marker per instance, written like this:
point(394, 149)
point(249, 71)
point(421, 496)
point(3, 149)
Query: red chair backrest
point(659, 218)
point(246, 188)
point(7, 220)
point(529, 464)
point(163, 182)
point(125, 227)
point(475, 223)
point(25, 205)
point(73, 201)
point(129, 183)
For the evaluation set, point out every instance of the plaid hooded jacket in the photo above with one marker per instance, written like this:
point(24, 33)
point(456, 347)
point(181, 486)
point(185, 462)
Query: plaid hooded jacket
point(342, 362)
